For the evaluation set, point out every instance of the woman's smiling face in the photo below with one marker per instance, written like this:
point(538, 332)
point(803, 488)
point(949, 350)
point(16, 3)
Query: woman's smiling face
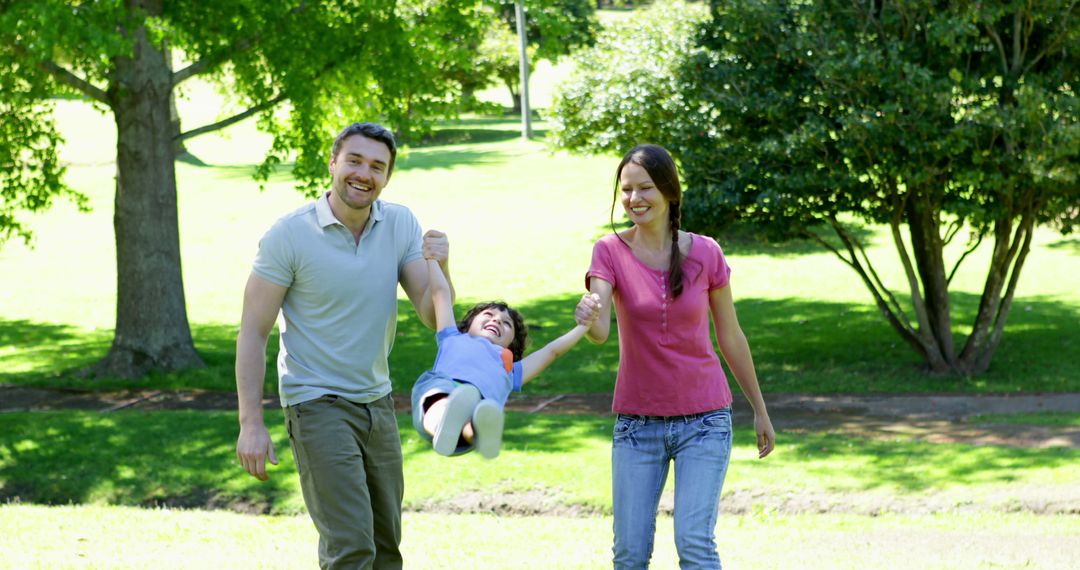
point(641, 199)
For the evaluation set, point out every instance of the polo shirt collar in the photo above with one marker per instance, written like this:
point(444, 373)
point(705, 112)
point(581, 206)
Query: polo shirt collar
point(326, 216)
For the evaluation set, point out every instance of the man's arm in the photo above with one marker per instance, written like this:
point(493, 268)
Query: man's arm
point(414, 276)
point(262, 301)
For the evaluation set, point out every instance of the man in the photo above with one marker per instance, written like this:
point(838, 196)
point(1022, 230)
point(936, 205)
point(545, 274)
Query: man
point(332, 268)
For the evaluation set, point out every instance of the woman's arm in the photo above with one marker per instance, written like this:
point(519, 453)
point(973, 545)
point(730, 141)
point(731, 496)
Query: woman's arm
point(598, 304)
point(736, 350)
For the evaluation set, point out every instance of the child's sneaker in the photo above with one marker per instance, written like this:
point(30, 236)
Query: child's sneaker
point(487, 421)
point(459, 408)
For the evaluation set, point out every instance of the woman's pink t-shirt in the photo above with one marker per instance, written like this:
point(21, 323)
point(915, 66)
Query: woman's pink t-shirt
point(668, 365)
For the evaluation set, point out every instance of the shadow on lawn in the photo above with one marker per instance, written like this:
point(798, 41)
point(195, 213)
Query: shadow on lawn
point(53, 355)
point(175, 459)
point(798, 345)
point(915, 467)
point(824, 347)
point(474, 135)
point(802, 346)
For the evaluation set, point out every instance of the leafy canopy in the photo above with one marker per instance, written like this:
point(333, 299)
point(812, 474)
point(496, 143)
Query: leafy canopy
point(304, 69)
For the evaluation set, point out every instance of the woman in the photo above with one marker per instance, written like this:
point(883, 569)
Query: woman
point(671, 395)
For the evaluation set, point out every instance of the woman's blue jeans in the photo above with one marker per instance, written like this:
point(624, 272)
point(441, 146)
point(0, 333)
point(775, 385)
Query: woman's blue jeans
point(641, 452)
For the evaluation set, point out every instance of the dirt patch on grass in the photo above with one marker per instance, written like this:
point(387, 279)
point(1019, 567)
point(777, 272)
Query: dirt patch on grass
point(933, 418)
point(937, 418)
point(1037, 500)
point(519, 503)
point(1047, 500)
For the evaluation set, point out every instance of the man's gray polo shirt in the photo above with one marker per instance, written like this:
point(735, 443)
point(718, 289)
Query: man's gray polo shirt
point(339, 315)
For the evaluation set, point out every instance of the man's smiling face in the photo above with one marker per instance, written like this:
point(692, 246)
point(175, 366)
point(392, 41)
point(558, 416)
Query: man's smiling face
point(360, 171)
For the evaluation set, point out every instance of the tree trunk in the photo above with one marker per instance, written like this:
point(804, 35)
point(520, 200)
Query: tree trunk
point(179, 150)
point(927, 246)
point(1010, 251)
point(514, 97)
point(152, 331)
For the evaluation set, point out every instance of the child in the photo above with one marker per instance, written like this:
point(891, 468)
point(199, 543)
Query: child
point(458, 404)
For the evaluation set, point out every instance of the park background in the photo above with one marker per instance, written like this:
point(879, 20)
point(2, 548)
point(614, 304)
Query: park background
point(135, 489)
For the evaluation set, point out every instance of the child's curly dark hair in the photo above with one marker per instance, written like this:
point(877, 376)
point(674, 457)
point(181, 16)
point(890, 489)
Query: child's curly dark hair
point(521, 333)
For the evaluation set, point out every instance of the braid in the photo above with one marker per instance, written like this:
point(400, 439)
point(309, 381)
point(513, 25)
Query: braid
point(675, 274)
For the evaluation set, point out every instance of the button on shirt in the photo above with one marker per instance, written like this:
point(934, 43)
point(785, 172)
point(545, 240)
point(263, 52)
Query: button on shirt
point(668, 365)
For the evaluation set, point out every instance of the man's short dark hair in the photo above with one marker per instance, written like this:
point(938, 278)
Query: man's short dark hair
point(373, 131)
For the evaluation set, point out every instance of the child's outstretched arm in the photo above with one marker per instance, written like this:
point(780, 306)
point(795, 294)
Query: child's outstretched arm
point(441, 296)
point(535, 363)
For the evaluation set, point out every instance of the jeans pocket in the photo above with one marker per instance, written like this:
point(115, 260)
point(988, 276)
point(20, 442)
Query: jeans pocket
point(625, 425)
point(717, 421)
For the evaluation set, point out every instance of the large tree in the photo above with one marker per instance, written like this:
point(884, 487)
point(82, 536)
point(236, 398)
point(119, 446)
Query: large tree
point(303, 68)
point(936, 119)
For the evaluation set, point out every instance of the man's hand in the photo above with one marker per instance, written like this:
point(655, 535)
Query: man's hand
point(436, 246)
point(253, 447)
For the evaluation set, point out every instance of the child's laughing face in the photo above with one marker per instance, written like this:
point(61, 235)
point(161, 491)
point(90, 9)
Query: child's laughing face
point(495, 325)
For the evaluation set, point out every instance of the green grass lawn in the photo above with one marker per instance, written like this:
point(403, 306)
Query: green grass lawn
point(521, 220)
point(187, 459)
point(117, 537)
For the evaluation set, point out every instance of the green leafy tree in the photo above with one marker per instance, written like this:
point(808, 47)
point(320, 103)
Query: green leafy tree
point(624, 90)
point(303, 69)
point(939, 120)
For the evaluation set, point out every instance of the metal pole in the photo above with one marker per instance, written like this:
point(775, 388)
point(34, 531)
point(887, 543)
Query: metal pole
point(526, 119)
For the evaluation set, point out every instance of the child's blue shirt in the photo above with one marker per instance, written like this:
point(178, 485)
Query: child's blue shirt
point(479, 362)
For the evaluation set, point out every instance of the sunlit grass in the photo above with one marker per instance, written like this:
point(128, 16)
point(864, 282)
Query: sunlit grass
point(187, 458)
point(118, 537)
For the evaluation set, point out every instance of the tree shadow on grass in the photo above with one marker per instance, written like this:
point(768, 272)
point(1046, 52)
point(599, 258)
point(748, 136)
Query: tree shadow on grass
point(917, 466)
point(823, 347)
point(800, 345)
point(431, 159)
point(47, 353)
point(1068, 243)
point(54, 355)
point(465, 135)
point(745, 239)
point(246, 172)
point(178, 459)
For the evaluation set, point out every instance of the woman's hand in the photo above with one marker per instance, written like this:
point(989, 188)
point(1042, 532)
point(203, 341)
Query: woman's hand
point(588, 309)
point(766, 437)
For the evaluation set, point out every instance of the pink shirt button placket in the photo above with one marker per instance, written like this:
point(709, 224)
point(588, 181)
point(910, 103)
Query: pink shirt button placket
point(664, 304)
